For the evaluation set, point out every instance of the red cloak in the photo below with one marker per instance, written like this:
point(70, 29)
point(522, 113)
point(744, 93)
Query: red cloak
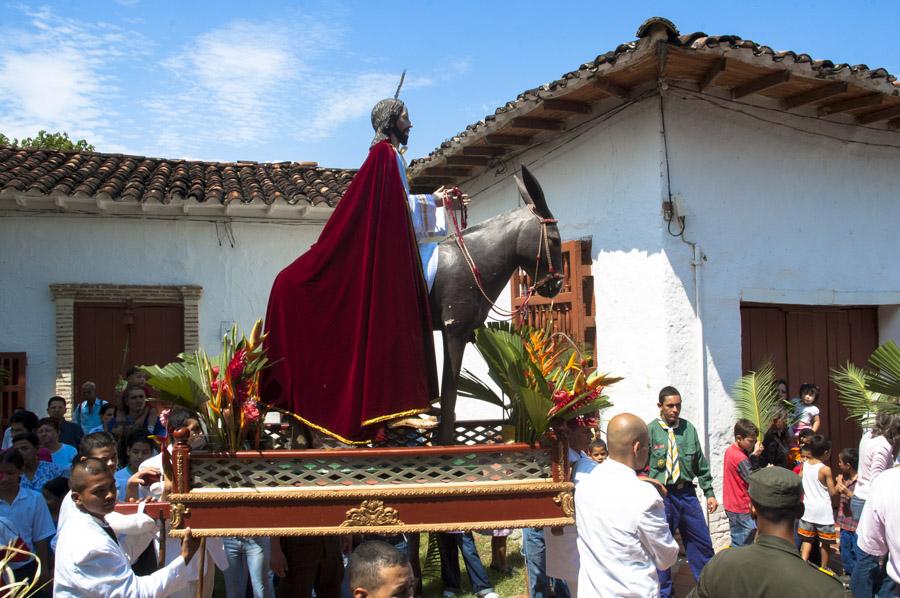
point(349, 325)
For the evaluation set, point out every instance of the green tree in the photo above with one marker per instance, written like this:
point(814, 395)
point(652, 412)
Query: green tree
point(50, 141)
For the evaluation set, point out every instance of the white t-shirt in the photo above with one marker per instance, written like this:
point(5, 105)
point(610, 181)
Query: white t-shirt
point(879, 527)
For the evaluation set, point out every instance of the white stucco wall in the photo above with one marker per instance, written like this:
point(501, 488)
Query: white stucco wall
point(37, 251)
point(779, 216)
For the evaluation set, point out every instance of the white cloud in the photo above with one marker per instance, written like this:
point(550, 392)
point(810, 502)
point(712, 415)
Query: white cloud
point(54, 75)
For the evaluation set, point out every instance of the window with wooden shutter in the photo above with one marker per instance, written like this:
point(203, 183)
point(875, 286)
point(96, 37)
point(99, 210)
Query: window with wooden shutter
point(12, 390)
point(572, 310)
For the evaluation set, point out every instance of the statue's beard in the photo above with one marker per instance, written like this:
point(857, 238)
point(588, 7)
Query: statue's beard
point(402, 136)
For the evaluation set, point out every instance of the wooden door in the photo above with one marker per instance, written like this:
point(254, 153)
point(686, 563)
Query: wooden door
point(572, 310)
point(12, 387)
point(805, 344)
point(110, 337)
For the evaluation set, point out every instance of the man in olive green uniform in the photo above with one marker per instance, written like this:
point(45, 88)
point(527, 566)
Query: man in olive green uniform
point(772, 567)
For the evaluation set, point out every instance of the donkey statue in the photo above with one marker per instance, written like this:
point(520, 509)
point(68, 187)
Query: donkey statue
point(526, 238)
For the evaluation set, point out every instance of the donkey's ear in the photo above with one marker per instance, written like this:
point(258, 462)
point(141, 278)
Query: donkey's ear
point(523, 190)
point(534, 191)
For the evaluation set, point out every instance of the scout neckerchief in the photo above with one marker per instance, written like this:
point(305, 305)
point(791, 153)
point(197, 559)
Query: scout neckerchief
point(673, 468)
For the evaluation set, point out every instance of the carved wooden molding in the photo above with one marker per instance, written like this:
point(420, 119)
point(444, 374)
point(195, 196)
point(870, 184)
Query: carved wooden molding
point(372, 512)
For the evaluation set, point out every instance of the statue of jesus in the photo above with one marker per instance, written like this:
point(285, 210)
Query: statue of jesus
point(350, 335)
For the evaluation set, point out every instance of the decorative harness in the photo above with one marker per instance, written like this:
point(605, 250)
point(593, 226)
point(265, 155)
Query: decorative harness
point(543, 246)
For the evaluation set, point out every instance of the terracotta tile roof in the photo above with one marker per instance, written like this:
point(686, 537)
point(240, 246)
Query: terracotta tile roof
point(142, 180)
point(726, 61)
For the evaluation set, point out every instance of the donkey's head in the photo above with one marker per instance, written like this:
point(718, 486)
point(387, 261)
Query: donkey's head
point(539, 246)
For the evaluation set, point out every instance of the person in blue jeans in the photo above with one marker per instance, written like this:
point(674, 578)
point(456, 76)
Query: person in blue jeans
point(248, 557)
point(676, 460)
point(448, 543)
point(534, 550)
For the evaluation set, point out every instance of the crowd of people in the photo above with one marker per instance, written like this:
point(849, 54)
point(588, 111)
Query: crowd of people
point(786, 509)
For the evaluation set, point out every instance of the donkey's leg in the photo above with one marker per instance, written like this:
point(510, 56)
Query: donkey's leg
point(454, 347)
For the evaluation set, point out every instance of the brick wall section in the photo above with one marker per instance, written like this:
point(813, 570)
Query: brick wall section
point(65, 296)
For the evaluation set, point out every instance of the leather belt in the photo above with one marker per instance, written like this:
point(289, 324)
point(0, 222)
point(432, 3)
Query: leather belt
point(679, 485)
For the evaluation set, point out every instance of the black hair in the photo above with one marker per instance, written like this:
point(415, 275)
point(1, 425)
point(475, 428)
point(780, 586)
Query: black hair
point(106, 407)
point(28, 419)
point(52, 400)
point(137, 437)
point(809, 389)
point(83, 468)
point(48, 421)
point(819, 445)
point(850, 456)
point(12, 457)
point(781, 381)
point(598, 443)
point(744, 428)
point(96, 440)
point(28, 436)
point(131, 371)
point(805, 433)
point(57, 487)
point(367, 561)
point(668, 391)
point(887, 425)
point(178, 417)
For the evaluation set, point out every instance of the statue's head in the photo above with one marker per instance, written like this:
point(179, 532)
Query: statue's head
point(390, 116)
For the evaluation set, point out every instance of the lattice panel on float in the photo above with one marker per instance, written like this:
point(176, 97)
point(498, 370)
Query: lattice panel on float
point(360, 470)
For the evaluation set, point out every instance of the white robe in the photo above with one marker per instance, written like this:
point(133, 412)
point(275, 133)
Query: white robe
point(90, 564)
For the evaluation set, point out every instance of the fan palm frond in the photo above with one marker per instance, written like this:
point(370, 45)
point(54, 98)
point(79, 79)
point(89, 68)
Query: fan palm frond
point(756, 396)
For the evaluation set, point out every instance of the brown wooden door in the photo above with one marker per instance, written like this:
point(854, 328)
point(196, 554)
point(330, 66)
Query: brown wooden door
point(110, 337)
point(805, 344)
point(12, 389)
point(572, 310)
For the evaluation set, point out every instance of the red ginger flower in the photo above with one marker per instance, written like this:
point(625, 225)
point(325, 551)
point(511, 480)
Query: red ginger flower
point(251, 412)
point(237, 363)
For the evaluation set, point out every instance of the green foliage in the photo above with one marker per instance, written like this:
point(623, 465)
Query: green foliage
point(542, 382)
point(4, 376)
point(863, 393)
point(48, 141)
point(756, 397)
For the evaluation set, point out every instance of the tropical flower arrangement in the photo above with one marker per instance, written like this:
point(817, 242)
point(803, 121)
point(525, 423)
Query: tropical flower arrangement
point(546, 377)
point(223, 390)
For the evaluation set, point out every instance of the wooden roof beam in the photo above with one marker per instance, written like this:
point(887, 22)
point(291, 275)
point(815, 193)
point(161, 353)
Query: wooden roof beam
point(537, 124)
point(878, 115)
point(446, 171)
point(718, 67)
point(428, 182)
point(814, 95)
point(503, 139)
point(761, 84)
point(468, 160)
point(851, 104)
point(567, 106)
point(482, 150)
point(610, 88)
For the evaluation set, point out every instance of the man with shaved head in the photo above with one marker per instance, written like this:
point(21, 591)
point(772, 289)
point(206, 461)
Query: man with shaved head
point(89, 560)
point(623, 535)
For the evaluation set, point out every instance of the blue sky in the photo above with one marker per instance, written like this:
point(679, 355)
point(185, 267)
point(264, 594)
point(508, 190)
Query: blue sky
point(272, 81)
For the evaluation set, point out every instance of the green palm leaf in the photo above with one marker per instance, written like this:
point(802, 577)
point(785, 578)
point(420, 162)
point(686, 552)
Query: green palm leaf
point(473, 387)
point(756, 396)
point(886, 380)
point(853, 394)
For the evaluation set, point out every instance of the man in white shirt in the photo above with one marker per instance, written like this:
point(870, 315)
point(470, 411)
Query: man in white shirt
point(623, 535)
point(879, 529)
point(87, 412)
point(89, 560)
